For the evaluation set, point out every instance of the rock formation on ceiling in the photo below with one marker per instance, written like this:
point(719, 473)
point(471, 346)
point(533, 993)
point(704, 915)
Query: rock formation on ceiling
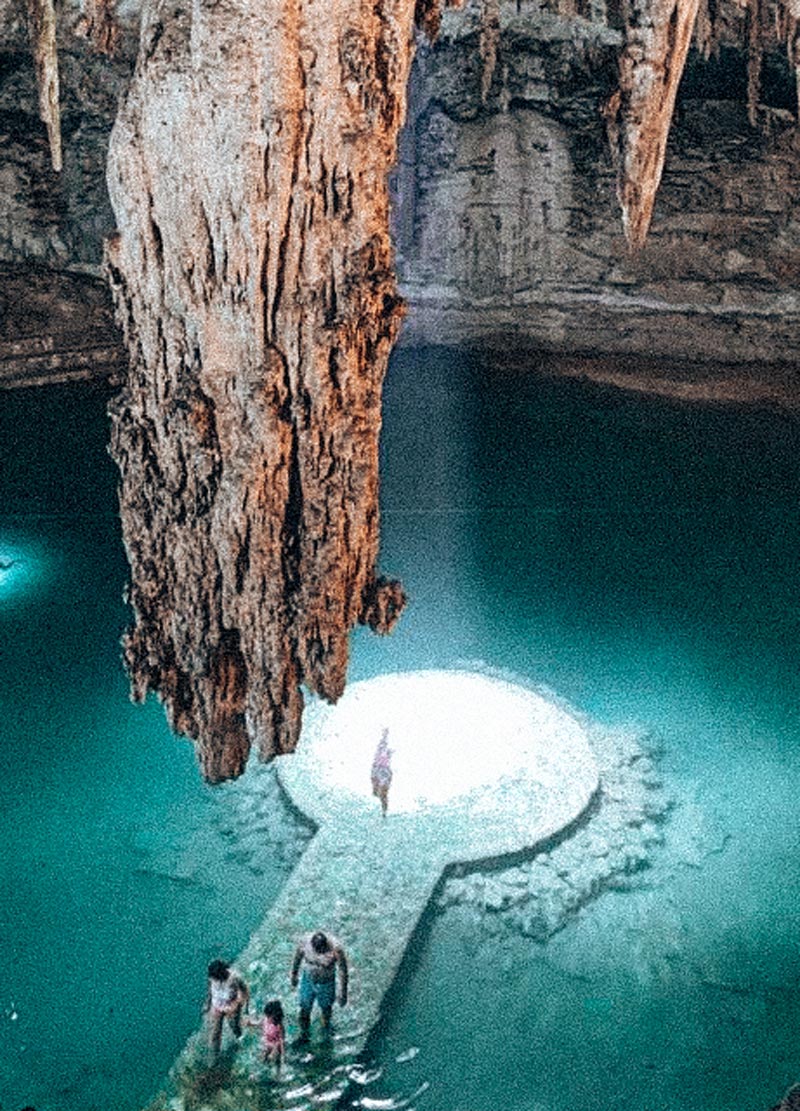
point(253, 275)
point(42, 24)
point(658, 34)
point(506, 224)
point(505, 215)
point(253, 279)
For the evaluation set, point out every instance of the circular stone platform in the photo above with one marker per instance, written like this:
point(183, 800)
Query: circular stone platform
point(504, 765)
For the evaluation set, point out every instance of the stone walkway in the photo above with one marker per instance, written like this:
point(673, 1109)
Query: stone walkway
point(482, 769)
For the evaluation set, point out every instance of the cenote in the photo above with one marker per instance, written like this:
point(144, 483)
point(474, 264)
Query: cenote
point(636, 555)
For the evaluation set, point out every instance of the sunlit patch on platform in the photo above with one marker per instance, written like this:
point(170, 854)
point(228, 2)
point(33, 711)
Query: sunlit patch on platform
point(457, 738)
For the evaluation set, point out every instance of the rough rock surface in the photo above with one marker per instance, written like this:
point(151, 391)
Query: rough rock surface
point(507, 221)
point(59, 219)
point(657, 38)
point(55, 328)
point(518, 173)
point(253, 279)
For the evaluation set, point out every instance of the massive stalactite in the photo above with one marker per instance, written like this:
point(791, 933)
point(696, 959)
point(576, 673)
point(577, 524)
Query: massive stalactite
point(252, 274)
point(253, 279)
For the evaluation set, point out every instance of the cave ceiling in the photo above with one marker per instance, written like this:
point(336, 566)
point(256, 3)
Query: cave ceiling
point(253, 280)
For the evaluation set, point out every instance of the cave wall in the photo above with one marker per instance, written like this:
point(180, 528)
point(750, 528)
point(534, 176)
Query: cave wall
point(506, 218)
point(56, 319)
point(59, 220)
point(56, 328)
point(507, 221)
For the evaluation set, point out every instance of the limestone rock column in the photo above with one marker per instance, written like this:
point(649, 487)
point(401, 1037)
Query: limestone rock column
point(252, 275)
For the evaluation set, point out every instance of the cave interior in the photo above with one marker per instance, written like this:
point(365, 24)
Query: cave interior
point(504, 295)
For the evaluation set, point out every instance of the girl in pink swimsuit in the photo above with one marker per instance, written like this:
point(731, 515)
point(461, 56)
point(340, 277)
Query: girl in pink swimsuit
point(273, 1035)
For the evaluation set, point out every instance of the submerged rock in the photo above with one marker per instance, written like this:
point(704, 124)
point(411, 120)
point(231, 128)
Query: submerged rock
point(612, 849)
point(791, 1101)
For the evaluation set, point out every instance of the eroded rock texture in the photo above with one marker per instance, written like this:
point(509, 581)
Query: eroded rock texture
point(507, 222)
point(253, 279)
point(42, 30)
point(55, 331)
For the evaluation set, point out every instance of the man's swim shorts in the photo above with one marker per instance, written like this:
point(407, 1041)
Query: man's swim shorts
point(322, 993)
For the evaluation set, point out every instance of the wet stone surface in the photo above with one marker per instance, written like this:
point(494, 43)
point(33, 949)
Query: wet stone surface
point(508, 771)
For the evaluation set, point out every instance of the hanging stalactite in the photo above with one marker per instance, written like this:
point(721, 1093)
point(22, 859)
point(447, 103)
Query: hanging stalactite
point(787, 31)
point(42, 31)
point(705, 31)
point(657, 40)
point(755, 57)
point(489, 41)
point(253, 279)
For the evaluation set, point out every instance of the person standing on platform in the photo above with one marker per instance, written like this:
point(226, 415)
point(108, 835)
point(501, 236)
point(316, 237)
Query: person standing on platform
point(319, 955)
point(227, 997)
point(381, 773)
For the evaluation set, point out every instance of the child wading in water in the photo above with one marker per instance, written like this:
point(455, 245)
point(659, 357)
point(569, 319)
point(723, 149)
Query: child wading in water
point(273, 1035)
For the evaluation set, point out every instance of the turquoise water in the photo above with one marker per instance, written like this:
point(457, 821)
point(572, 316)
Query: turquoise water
point(638, 556)
point(120, 875)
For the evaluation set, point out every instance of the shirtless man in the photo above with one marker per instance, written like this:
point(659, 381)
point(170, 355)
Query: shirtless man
point(320, 954)
point(227, 997)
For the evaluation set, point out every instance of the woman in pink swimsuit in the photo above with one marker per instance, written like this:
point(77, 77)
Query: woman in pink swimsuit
point(381, 773)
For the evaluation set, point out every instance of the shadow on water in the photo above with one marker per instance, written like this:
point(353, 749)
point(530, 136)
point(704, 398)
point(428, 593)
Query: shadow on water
point(611, 526)
point(53, 451)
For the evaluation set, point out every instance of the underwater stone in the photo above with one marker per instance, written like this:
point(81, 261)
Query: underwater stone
point(791, 1101)
point(369, 879)
point(611, 850)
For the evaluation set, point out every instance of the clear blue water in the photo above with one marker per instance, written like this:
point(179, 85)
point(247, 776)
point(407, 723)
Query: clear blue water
point(638, 556)
point(119, 879)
